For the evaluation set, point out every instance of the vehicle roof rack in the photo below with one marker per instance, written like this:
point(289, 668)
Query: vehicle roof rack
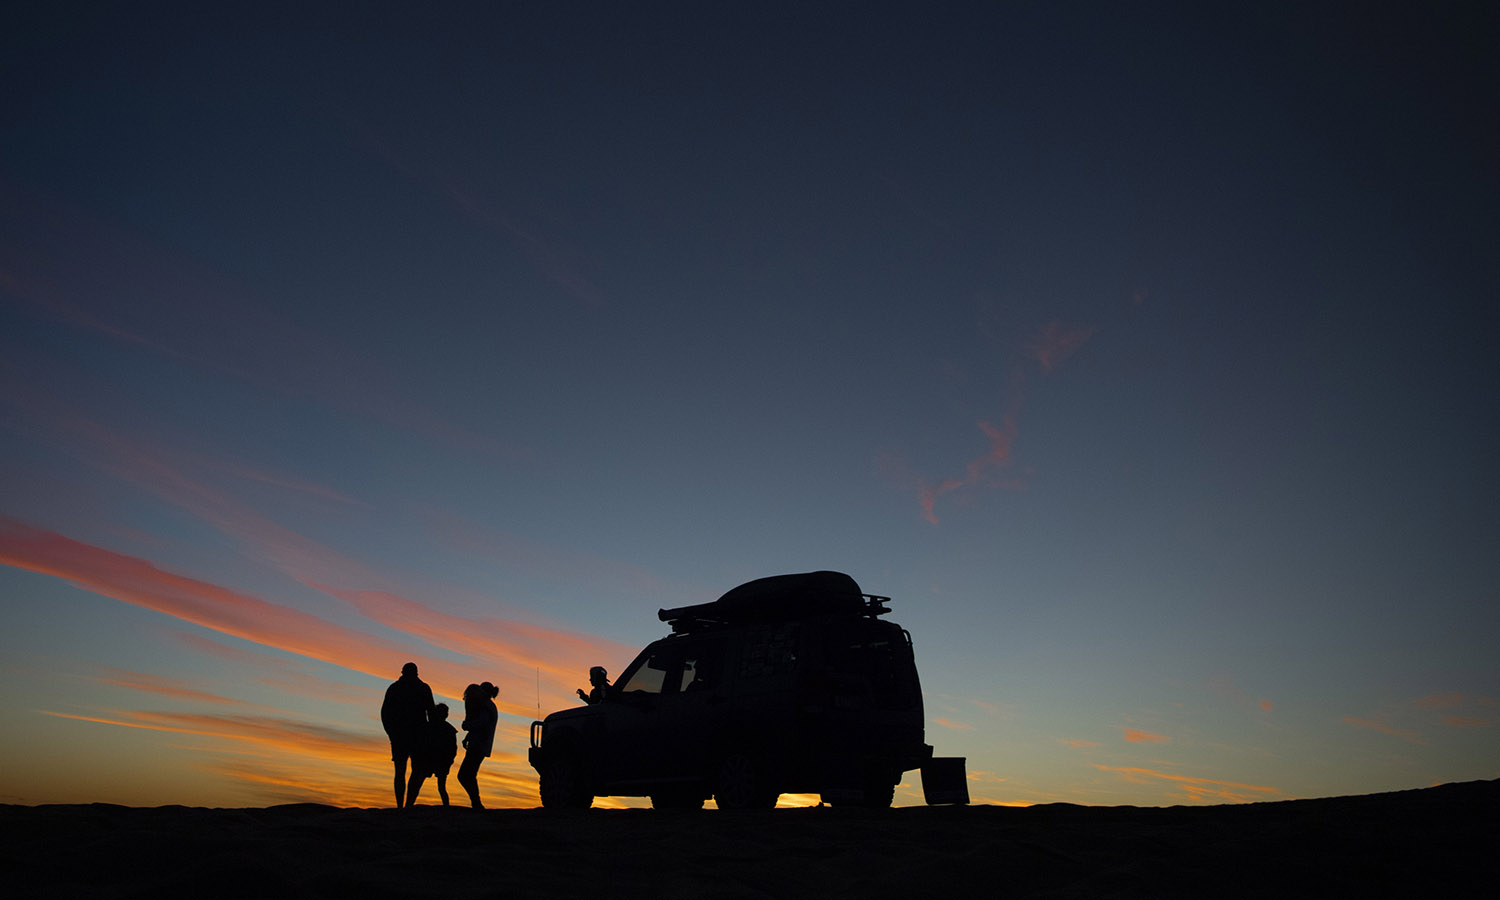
point(779, 598)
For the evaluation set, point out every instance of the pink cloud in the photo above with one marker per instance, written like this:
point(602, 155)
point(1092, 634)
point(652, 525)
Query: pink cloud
point(1265, 705)
point(494, 646)
point(1079, 744)
point(956, 726)
point(1465, 722)
point(1057, 342)
point(1439, 701)
point(163, 687)
point(1052, 345)
point(138, 582)
point(1139, 737)
point(928, 494)
point(1001, 439)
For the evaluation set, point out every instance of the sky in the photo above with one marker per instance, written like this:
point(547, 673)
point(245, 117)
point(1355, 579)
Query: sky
point(1142, 353)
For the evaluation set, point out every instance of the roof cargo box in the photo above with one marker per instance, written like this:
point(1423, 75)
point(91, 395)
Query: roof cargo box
point(778, 597)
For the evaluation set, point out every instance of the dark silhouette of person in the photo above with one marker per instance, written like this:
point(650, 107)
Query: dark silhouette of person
point(404, 715)
point(480, 717)
point(433, 755)
point(600, 681)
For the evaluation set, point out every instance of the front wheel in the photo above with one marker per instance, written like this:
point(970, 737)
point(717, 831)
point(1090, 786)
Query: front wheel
point(562, 786)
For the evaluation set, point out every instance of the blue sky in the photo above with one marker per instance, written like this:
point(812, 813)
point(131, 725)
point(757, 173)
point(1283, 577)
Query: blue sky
point(1143, 354)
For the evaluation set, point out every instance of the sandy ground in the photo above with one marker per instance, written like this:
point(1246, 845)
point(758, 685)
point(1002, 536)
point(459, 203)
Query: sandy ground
point(1432, 842)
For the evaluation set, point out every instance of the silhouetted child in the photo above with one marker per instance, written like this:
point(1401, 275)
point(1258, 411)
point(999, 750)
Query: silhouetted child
point(433, 755)
point(443, 740)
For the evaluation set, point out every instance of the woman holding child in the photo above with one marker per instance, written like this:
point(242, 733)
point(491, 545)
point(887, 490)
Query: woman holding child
point(480, 717)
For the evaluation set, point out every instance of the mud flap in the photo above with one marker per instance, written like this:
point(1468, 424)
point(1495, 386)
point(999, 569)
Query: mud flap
point(944, 780)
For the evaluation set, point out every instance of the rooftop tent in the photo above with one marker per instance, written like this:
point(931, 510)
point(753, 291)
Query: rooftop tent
point(778, 597)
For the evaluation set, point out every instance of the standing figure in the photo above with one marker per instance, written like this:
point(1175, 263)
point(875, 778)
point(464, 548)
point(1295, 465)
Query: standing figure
point(433, 755)
point(480, 717)
point(599, 684)
point(404, 715)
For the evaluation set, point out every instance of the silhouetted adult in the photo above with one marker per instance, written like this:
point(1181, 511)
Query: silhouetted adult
point(599, 683)
point(480, 716)
point(404, 715)
point(433, 755)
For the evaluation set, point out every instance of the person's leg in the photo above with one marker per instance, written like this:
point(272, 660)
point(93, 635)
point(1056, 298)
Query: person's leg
point(442, 785)
point(400, 761)
point(414, 787)
point(468, 776)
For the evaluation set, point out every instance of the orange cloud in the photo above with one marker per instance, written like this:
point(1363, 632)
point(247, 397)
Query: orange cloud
point(280, 760)
point(560, 655)
point(956, 726)
point(1139, 737)
point(1080, 744)
point(1385, 728)
point(1198, 789)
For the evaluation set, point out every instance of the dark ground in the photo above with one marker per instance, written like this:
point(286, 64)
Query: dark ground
point(1441, 841)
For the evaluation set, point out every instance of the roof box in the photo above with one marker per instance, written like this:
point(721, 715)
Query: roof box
point(779, 597)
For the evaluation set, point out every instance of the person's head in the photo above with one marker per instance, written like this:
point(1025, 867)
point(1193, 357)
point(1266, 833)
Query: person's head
point(440, 712)
point(489, 690)
point(409, 670)
point(597, 675)
point(471, 693)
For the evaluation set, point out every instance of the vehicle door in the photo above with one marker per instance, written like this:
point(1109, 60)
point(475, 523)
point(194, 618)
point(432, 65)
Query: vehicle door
point(633, 715)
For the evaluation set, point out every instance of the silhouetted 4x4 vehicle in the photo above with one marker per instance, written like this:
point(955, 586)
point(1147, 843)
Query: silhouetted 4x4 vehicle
point(788, 684)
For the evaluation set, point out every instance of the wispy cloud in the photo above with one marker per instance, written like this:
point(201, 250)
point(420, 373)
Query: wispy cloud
point(138, 582)
point(1439, 701)
point(552, 257)
point(1056, 342)
point(1077, 743)
point(1465, 722)
point(1135, 736)
point(525, 555)
point(956, 726)
point(493, 646)
point(995, 467)
point(519, 645)
point(1197, 790)
point(1385, 727)
point(172, 688)
point(177, 308)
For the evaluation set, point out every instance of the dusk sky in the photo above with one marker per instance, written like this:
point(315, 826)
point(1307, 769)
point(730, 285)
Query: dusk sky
point(1143, 354)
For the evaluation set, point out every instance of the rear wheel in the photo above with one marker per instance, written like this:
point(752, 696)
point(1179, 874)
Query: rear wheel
point(742, 785)
point(562, 786)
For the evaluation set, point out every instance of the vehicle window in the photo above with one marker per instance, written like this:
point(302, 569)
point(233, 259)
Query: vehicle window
point(649, 678)
point(700, 669)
